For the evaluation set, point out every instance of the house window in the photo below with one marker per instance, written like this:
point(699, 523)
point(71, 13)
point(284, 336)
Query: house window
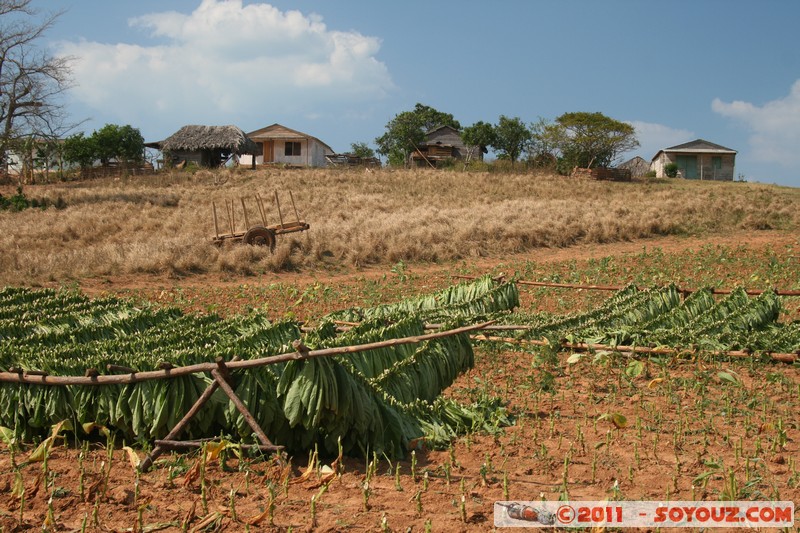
point(716, 162)
point(292, 148)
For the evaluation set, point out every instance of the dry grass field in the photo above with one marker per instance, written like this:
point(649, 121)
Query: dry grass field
point(161, 224)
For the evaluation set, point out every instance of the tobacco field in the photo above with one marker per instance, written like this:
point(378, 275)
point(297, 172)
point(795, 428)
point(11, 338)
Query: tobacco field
point(470, 420)
point(378, 400)
point(374, 401)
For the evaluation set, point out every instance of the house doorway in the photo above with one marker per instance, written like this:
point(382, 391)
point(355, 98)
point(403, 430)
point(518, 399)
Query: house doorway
point(687, 166)
point(269, 151)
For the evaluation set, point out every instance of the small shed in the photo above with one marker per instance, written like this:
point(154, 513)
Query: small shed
point(280, 144)
point(638, 166)
point(698, 159)
point(206, 146)
point(442, 144)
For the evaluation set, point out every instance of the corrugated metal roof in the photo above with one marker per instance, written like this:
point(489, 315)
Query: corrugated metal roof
point(699, 145)
point(278, 131)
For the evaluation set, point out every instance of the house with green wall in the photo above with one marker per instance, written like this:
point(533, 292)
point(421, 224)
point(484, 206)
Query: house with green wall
point(697, 160)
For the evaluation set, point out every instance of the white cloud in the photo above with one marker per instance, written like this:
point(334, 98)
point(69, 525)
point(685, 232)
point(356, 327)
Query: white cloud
point(654, 137)
point(228, 63)
point(775, 126)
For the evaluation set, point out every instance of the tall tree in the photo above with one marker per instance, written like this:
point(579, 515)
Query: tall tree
point(80, 150)
point(123, 143)
point(407, 130)
point(31, 80)
point(593, 139)
point(477, 137)
point(362, 150)
point(511, 137)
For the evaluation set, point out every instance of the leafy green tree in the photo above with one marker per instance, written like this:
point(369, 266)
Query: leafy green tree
point(80, 150)
point(545, 139)
point(592, 139)
point(511, 137)
point(124, 143)
point(362, 150)
point(478, 137)
point(407, 130)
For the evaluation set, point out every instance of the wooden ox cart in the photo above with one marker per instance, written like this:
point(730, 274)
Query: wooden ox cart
point(259, 234)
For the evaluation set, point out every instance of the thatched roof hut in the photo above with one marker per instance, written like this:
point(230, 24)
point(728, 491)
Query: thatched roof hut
point(207, 145)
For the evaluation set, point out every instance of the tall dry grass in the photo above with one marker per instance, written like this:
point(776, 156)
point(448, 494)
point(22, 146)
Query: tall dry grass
point(162, 224)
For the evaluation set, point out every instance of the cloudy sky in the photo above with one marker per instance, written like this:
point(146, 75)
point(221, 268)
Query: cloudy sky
point(727, 71)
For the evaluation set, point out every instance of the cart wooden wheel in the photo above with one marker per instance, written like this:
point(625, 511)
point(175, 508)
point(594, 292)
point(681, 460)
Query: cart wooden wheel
point(260, 236)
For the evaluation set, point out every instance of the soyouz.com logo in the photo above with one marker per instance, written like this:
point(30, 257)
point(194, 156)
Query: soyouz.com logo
point(644, 514)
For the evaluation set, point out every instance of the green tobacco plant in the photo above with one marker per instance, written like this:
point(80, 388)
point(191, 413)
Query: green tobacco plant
point(386, 400)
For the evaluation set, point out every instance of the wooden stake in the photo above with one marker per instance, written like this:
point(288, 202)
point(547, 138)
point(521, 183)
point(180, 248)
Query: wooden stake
point(278, 203)
point(296, 215)
point(219, 376)
point(147, 462)
point(216, 223)
point(228, 209)
point(260, 204)
point(244, 210)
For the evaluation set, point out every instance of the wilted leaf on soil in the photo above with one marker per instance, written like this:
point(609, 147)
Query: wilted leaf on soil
point(132, 457)
point(213, 449)
point(19, 486)
point(617, 419)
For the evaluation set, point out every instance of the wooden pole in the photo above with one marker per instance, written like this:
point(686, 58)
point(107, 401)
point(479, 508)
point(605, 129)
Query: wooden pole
point(750, 292)
point(416, 149)
point(147, 462)
point(221, 378)
point(244, 210)
point(124, 379)
point(296, 215)
point(183, 444)
point(260, 204)
point(582, 346)
point(220, 374)
point(278, 203)
point(228, 209)
point(216, 223)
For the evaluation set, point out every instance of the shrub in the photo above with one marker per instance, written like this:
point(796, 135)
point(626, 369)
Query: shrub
point(20, 202)
point(671, 170)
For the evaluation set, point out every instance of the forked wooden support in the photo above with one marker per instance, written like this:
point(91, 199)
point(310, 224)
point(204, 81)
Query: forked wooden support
point(220, 375)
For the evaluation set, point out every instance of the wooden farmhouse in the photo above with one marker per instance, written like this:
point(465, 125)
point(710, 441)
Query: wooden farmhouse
point(698, 159)
point(282, 145)
point(205, 146)
point(442, 144)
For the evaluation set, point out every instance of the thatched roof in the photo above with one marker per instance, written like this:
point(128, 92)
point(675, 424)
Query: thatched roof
point(194, 138)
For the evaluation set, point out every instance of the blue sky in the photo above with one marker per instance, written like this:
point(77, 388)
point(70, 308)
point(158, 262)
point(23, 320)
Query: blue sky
point(727, 71)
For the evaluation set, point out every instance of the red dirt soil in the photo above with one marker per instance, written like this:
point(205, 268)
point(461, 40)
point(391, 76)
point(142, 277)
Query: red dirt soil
point(689, 432)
